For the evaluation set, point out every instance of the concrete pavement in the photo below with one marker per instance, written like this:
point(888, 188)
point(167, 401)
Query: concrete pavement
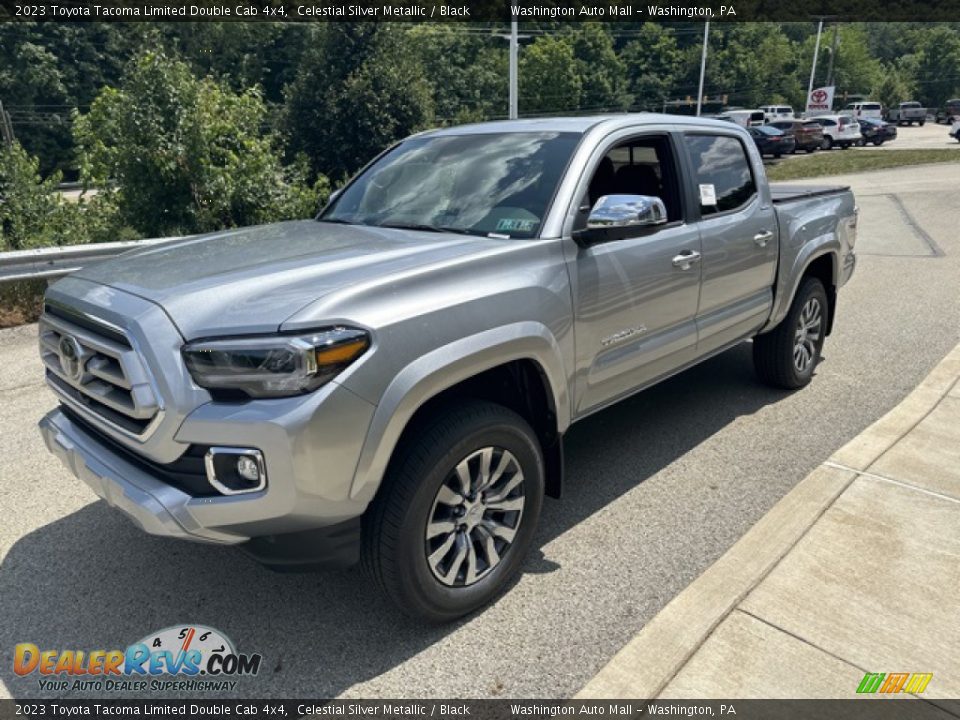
point(856, 570)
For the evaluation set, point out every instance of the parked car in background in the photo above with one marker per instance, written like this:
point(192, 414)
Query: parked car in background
point(807, 134)
point(743, 118)
point(777, 112)
point(906, 112)
point(772, 141)
point(949, 113)
point(840, 131)
point(876, 132)
point(865, 110)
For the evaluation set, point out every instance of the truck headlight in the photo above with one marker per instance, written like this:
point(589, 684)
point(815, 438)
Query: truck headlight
point(276, 365)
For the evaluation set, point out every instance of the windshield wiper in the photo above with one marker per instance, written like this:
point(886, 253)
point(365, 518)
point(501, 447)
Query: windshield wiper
point(425, 227)
point(338, 221)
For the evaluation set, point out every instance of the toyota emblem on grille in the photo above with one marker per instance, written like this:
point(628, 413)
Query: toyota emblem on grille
point(71, 357)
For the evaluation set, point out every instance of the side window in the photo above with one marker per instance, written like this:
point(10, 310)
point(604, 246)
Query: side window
point(640, 166)
point(722, 172)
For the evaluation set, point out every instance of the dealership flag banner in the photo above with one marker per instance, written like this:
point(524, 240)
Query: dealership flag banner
point(820, 99)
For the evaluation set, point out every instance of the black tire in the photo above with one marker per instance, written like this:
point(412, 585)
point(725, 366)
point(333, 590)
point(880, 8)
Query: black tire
point(773, 352)
point(827, 143)
point(878, 143)
point(922, 122)
point(394, 553)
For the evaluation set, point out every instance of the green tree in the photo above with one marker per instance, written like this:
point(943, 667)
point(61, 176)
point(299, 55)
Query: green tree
point(602, 73)
point(467, 72)
point(27, 202)
point(182, 155)
point(894, 87)
point(651, 61)
point(33, 214)
point(938, 66)
point(856, 70)
point(32, 89)
point(549, 77)
point(358, 90)
point(752, 63)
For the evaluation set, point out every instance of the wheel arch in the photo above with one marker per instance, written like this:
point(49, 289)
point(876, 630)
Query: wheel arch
point(519, 366)
point(821, 261)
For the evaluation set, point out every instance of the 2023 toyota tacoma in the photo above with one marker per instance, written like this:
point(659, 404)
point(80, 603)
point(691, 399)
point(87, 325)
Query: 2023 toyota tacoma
point(392, 380)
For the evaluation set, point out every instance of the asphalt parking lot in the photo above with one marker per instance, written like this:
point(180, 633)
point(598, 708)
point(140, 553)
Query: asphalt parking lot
point(930, 136)
point(658, 487)
point(909, 137)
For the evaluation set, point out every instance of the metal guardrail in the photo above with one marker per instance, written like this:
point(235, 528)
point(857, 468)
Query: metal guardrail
point(53, 262)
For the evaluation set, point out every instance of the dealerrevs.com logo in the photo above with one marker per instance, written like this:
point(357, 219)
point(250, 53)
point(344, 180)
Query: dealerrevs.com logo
point(185, 657)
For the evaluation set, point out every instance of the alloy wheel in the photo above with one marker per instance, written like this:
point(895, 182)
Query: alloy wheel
point(475, 517)
point(807, 335)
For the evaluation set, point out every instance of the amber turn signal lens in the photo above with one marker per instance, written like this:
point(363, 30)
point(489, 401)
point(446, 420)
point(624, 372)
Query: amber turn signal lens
point(342, 353)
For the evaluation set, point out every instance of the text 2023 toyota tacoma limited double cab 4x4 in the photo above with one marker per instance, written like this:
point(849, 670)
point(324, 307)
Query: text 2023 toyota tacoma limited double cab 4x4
point(391, 381)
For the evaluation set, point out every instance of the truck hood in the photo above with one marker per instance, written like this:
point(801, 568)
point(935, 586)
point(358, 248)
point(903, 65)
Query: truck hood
point(252, 279)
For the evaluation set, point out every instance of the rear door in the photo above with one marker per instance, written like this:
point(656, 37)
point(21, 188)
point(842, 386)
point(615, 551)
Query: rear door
point(738, 237)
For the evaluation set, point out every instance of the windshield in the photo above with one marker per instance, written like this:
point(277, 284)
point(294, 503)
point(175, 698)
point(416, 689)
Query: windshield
point(491, 184)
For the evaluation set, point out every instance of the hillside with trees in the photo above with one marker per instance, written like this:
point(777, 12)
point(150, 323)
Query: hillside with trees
point(187, 127)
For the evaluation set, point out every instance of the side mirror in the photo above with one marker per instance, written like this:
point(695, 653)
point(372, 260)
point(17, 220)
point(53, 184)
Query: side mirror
point(614, 217)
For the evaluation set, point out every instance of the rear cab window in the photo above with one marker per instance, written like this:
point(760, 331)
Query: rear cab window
point(722, 172)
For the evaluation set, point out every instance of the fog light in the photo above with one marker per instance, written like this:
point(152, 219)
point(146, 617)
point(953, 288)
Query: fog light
point(247, 469)
point(234, 471)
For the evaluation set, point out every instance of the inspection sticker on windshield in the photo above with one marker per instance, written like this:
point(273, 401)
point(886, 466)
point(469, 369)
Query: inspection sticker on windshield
point(516, 225)
point(708, 194)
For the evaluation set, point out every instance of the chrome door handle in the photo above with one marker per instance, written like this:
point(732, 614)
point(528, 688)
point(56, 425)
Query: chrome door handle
point(761, 238)
point(685, 259)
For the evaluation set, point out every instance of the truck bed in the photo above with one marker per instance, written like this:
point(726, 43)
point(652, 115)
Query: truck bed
point(784, 193)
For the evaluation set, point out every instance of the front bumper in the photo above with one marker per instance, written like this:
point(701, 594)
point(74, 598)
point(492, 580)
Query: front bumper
point(310, 445)
point(154, 506)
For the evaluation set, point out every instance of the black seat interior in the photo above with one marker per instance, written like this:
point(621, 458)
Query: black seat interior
point(602, 182)
point(638, 180)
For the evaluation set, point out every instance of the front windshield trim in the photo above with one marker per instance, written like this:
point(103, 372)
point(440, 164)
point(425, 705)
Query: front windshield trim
point(322, 215)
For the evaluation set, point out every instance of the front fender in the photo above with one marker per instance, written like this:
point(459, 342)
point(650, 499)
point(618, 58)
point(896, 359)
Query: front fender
point(444, 367)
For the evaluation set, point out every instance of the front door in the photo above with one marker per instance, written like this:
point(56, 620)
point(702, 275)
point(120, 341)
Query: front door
point(635, 298)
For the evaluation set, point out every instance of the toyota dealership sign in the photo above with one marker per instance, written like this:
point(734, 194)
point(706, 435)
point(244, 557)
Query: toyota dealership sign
point(820, 99)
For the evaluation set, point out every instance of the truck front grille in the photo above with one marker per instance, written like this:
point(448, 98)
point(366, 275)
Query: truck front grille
point(94, 368)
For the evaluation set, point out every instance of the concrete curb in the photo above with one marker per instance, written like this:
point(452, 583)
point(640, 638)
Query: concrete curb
point(646, 664)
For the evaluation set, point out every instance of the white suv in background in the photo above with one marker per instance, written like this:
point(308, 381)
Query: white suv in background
point(772, 113)
point(865, 110)
point(840, 131)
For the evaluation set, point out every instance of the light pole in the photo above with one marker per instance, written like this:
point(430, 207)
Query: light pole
point(813, 68)
point(703, 64)
point(833, 53)
point(514, 49)
point(514, 40)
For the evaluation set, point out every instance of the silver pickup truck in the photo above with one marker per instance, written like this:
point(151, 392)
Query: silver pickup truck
point(907, 113)
point(390, 382)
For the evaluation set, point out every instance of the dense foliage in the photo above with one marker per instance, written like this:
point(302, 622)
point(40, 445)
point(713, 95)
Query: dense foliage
point(182, 155)
point(184, 127)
